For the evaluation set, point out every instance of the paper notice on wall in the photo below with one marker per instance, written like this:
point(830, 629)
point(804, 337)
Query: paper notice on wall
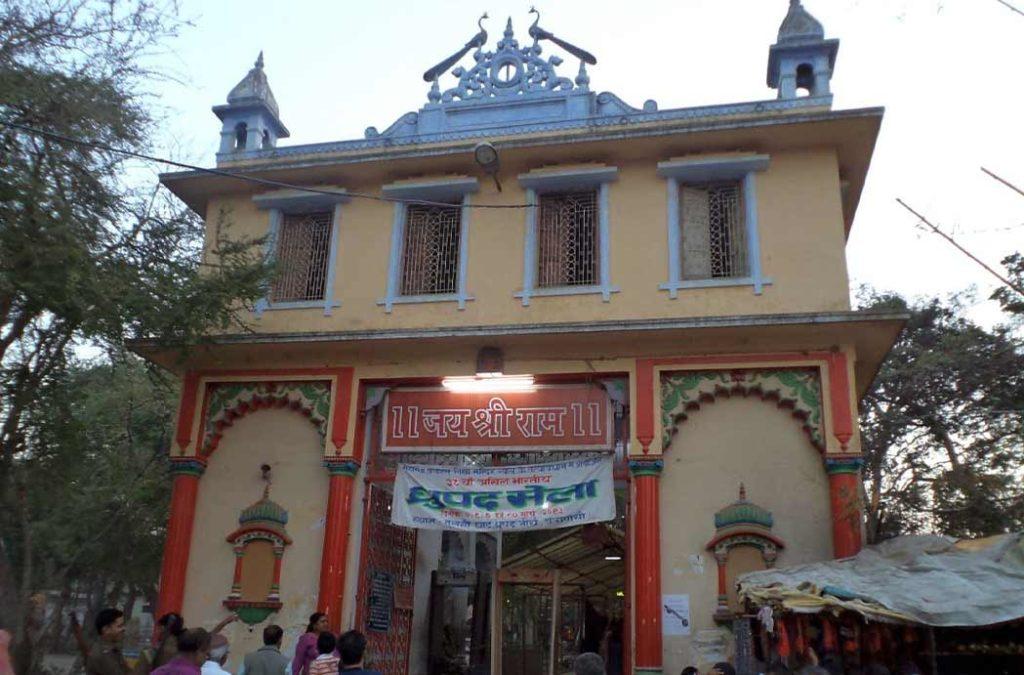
point(675, 614)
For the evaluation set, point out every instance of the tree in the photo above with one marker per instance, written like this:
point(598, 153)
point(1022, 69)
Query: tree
point(942, 426)
point(96, 490)
point(1011, 301)
point(87, 257)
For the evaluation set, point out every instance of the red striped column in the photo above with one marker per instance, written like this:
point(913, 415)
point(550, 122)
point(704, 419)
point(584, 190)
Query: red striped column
point(336, 535)
point(342, 472)
point(647, 566)
point(844, 499)
point(843, 469)
point(185, 490)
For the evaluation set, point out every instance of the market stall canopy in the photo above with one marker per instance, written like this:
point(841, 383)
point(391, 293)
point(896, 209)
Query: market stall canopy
point(925, 579)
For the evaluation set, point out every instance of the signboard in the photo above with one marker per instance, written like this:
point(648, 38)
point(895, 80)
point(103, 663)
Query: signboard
point(504, 498)
point(557, 417)
point(675, 614)
point(382, 594)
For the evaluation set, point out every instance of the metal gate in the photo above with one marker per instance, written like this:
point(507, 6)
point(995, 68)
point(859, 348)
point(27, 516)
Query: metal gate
point(386, 585)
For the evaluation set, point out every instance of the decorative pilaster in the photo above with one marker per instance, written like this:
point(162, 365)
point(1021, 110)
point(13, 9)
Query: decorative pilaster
point(722, 609)
point(275, 585)
point(342, 473)
point(839, 399)
point(844, 497)
point(185, 489)
point(236, 579)
point(647, 569)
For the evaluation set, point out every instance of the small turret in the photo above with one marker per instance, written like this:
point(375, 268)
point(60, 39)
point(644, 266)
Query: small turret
point(251, 117)
point(801, 58)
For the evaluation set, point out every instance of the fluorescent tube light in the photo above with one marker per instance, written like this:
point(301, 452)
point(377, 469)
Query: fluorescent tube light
point(489, 385)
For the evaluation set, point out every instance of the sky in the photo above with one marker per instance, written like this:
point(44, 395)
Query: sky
point(946, 71)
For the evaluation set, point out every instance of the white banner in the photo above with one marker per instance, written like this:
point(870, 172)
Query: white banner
point(489, 499)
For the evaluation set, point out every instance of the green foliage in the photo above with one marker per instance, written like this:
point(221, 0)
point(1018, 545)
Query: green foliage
point(97, 482)
point(943, 426)
point(90, 259)
point(1012, 301)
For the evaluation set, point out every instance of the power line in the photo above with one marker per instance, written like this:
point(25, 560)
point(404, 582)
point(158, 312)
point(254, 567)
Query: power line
point(960, 248)
point(1004, 182)
point(1006, 4)
point(243, 177)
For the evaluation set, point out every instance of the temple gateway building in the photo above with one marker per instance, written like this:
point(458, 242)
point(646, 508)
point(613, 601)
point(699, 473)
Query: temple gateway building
point(540, 371)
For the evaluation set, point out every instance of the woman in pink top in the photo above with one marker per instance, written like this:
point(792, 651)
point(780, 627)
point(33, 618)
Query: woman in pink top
point(305, 649)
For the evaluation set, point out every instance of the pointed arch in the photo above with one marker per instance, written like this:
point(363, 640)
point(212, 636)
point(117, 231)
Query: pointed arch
point(797, 390)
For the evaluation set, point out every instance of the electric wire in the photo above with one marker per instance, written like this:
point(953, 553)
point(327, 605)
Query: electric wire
point(267, 182)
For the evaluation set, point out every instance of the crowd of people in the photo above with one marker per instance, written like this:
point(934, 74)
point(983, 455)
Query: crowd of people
point(177, 650)
point(591, 663)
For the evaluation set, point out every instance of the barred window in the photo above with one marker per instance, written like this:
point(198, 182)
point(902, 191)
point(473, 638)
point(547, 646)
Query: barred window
point(714, 237)
point(303, 250)
point(567, 240)
point(430, 253)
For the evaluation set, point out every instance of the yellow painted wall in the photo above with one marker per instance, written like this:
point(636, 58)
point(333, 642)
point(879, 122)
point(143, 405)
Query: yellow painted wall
point(290, 444)
point(802, 251)
point(725, 443)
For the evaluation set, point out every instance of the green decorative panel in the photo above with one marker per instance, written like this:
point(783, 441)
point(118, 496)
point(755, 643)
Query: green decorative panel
point(796, 390)
point(230, 401)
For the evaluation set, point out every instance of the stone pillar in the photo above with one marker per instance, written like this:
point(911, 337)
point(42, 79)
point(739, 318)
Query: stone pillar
point(186, 472)
point(647, 565)
point(844, 498)
point(336, 534)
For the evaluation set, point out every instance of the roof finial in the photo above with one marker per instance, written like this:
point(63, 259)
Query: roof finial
point(743, 488)
point(508, 29)
point(259, 60)
point(582, 78)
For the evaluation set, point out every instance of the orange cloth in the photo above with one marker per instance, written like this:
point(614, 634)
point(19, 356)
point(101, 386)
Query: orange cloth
point(829, 640)
point(784, 647)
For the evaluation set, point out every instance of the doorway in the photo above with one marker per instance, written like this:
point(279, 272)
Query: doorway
point(459, 604)
point(560, 593)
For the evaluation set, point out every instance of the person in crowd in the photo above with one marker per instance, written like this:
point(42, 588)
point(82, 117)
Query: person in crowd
point(352, 647)
point(811, 666)
point(219, 650)
point(268, 659)
point(5, 654)
point(611, 647)
point(327, 662)
point(168, 628)
point(305, 649)
point(588, 663)
point(690, 670)
point(193, 652)
point(723, 668)
point(105, 658)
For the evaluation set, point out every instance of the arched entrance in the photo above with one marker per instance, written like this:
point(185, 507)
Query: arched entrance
point(434, 601)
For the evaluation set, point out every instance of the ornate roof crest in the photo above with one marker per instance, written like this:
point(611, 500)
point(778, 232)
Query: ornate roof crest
point(509, 70)
point(799, 25)
point(254, 88)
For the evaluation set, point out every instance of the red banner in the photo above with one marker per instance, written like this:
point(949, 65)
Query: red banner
point(556, 417)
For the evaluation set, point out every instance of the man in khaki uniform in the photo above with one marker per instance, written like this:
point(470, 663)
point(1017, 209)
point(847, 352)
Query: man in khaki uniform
point(105, 657)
